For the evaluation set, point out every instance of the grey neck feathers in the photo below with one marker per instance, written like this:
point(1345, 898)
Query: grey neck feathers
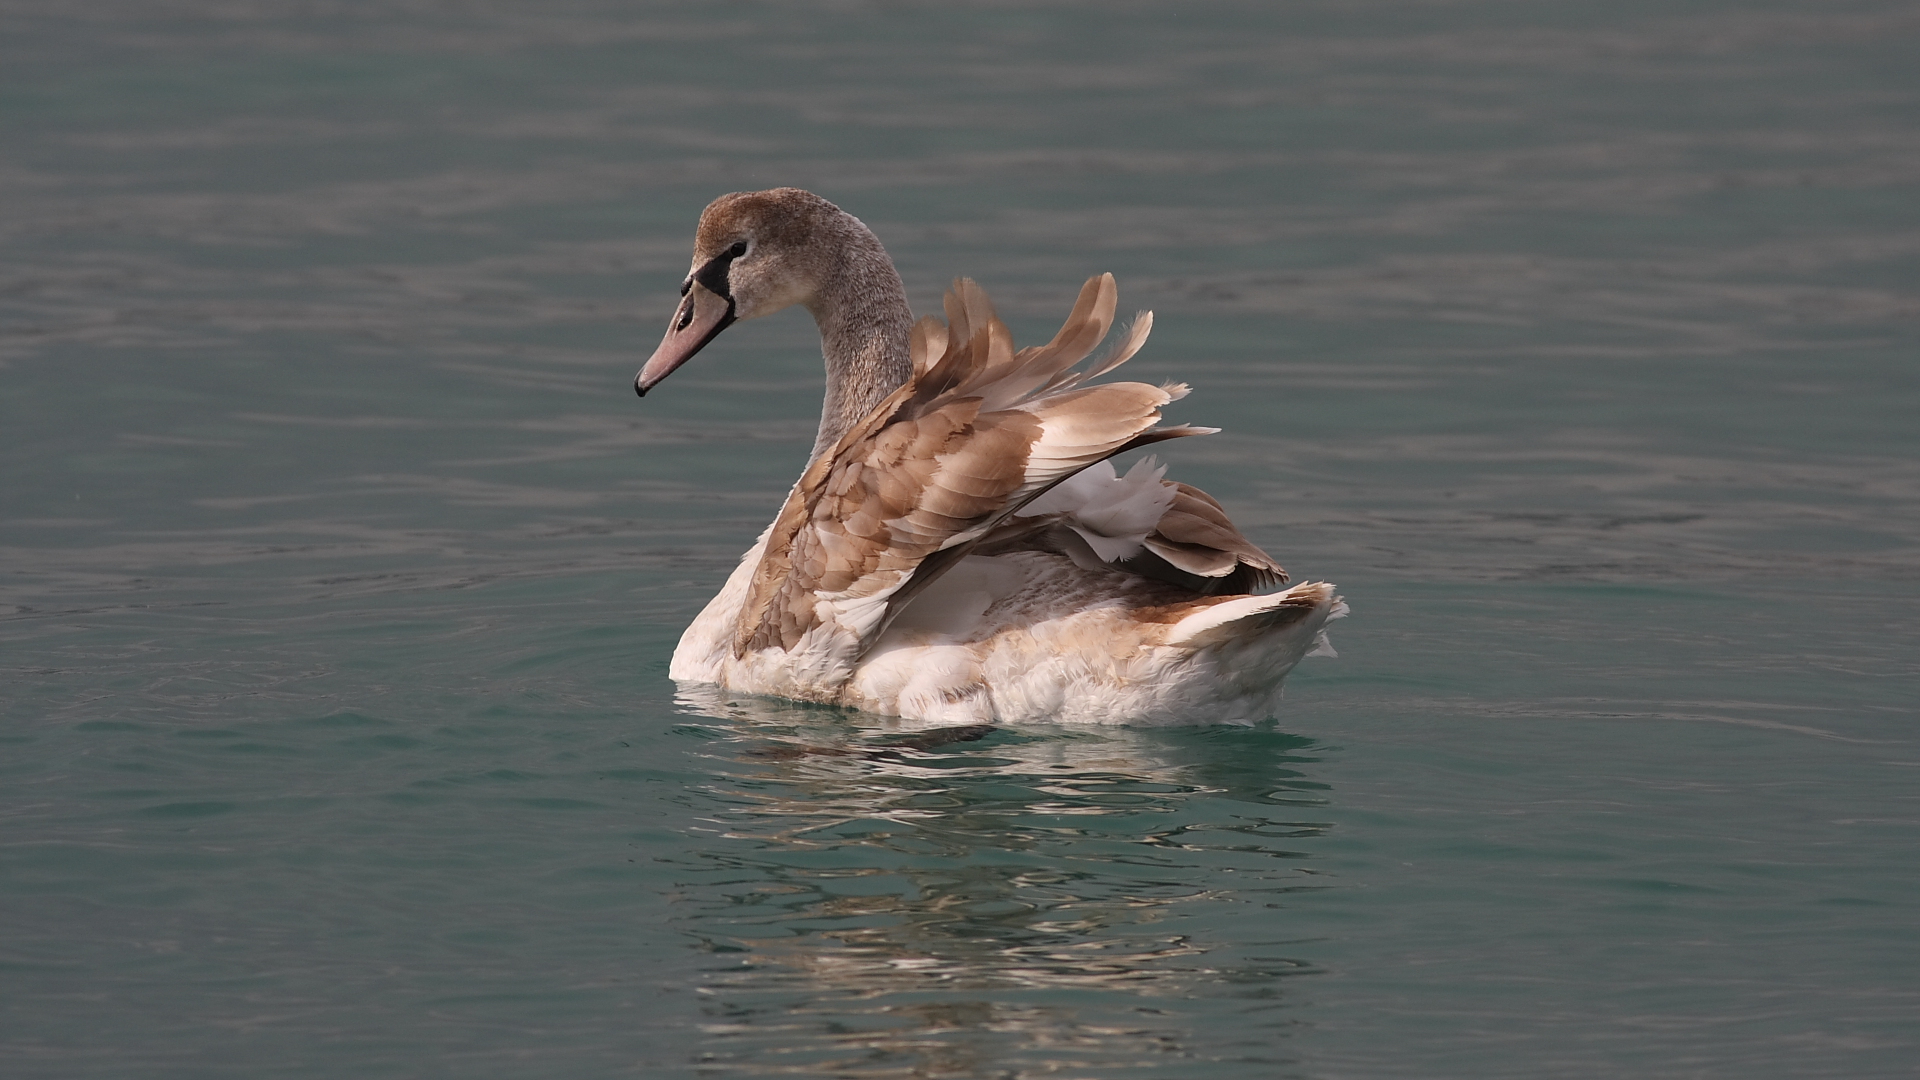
point(861, 309)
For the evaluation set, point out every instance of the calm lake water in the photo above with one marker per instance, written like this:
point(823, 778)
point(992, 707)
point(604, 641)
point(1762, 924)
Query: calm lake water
point(340, 566)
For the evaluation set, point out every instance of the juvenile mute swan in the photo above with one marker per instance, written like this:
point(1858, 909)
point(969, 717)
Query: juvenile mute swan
point(960, 549)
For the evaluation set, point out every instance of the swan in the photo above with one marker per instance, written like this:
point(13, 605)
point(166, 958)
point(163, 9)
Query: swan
point(960, 548)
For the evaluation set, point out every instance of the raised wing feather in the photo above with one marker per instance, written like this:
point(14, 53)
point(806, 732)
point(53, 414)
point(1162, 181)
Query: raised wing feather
point(1141, 524)
point(979, 431)
point(1196, 540)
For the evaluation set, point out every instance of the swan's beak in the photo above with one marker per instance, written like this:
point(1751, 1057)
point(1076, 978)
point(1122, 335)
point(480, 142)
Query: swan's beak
point(698, 320)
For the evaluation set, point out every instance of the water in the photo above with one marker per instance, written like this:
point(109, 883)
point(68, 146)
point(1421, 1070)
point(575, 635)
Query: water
point(1575, 342)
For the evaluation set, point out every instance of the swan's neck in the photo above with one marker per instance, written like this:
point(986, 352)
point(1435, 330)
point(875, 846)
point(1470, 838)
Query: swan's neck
point(861, 309)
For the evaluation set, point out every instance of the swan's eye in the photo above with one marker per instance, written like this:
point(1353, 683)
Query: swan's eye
point(714, 274)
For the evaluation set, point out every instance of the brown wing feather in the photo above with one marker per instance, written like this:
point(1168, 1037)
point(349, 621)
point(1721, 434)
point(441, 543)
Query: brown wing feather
point(935, 466)
point(1195, 537)
point(1193, 545)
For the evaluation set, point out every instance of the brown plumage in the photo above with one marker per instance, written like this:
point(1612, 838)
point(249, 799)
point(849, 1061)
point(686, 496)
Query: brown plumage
point(942, 446)
point(951, 454)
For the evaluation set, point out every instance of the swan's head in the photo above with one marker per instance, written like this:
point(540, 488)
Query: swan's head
point(755, 253)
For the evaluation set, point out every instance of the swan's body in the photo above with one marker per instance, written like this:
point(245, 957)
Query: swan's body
point(960, 548)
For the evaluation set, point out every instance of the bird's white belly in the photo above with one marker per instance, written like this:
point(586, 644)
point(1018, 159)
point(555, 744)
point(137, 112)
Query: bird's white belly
point(1021, 637)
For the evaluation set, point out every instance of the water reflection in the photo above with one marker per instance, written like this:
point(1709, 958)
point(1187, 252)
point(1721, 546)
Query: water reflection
point(997, 903)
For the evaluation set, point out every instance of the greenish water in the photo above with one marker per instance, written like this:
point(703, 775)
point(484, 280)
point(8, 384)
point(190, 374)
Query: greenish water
point(339, 566)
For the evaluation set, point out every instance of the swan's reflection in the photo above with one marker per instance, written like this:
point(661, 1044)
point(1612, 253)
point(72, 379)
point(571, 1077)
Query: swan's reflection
point(974, 902)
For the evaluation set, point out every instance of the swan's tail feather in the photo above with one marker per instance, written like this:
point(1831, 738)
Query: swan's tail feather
point(1321, 646)
point(1302, 610)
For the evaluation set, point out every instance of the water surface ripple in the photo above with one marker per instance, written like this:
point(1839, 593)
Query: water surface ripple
point(339, 567)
